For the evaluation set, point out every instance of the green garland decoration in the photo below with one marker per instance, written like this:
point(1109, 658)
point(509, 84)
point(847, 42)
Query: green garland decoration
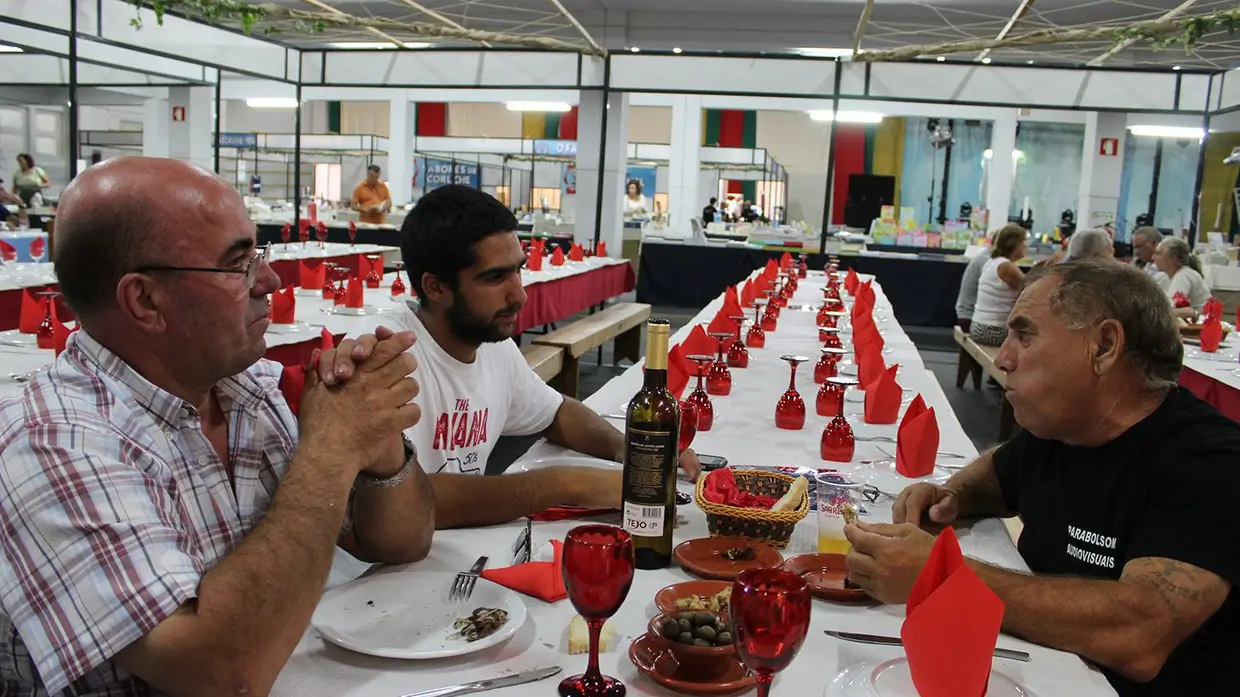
point(214, 11)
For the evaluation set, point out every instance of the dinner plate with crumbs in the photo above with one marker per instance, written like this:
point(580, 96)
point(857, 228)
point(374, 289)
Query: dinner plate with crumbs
point(409, 615)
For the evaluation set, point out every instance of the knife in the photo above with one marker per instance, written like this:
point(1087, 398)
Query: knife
point(892, 641)
point(492, 684)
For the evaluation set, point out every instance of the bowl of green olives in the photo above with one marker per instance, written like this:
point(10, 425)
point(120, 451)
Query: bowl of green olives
point(693, 635)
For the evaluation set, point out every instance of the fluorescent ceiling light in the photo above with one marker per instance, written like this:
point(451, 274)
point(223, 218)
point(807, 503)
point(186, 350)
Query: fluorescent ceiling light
point(635, 49)
point(847, 116)
point(271, 102)
point(5, 48)
point(376, 45)
point(941, 58)
point(1183, 132)
point(676, 49)
point(1016, 154)
point(986, 61)
point(825, 52)
point(539, 106)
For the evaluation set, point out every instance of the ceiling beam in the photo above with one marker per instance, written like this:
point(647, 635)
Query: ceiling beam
point(439, 17)
point(376, 32)
point(1018, 15)
point(569, 15)
point(862, 23)
point(1171, 14)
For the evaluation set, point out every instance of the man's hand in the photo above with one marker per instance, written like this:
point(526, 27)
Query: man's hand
point(690, 464)
point(886, 559)
point(338, 364)
point(912, 505)
point(597, 488)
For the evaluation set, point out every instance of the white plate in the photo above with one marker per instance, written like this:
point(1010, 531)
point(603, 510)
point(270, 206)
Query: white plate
point(13, 337)
point(294, 328)
point(882, 474)
point(893, 679)
point(409, 615)
point(356, 311)
point(308, 292)
point(1194, 341)
point(562, 461)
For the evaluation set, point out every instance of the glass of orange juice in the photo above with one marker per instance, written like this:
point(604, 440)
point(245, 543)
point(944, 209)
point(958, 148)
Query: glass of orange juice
point(839, 503)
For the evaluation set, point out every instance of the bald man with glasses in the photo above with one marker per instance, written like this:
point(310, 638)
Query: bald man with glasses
point(166, 523)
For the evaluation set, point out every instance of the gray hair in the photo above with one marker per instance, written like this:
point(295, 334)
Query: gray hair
point(1093, 290)
point(1178, 250)
point(1090, 244)
point(1148, 232)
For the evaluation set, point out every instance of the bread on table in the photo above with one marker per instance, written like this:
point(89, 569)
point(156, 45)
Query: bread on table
point(792, 499)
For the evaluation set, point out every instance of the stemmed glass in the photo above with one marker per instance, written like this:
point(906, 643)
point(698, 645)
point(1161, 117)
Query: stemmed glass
point(320, 233)
point(771, 317)
point(286, 234)
point(329, 286)
point(756, 337)
point(738, 355)
point(719, 378)
point(826, 367)
point(342, 273)
point(830, 337)
point(790, 284)
point(45, 336)
point(790, 410)
point(831, 395)
point(688, 425)
point(303, 231)
point(838, 443)
point(398, 286)
point(353, 234)
point(373, 278)
point(699, 397)
point(781, 298)
point(598, 571)
point(769, 617)
point(802, 266)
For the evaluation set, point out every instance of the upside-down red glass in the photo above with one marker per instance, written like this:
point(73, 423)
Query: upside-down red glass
point(772, 302)
point(738, 355)
point(802, 267)
point(45, 336)
point(303, 231)
point(784, 291)
point(791, 284)
point(342, 273)
point(827, 365)
point(790, 410)
point(688, 424)
point(770, 318)
point(329, 281)
point(398, 286)
point(320, 233)
point(769, 617)
point(699, 398)
point(286, 234)
point(598, 572)
point(831, 395)
point(756, 337)
point(830, 337)
point(838, 443)
point(373, 278)
point(719, 378)
point(352, 234)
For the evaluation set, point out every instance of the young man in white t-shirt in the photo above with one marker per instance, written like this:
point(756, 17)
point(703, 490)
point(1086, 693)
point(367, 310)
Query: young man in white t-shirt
point(464, 263)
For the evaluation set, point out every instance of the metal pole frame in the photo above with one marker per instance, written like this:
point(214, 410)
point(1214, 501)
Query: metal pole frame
point(219, 107)
point(74, 136)
point(1201, 166)
point(297, 162)
point(828, 205)
point(602, 153)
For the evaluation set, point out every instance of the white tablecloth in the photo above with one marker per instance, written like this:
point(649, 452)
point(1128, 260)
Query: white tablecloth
point(744, 432)
point(1223, 365)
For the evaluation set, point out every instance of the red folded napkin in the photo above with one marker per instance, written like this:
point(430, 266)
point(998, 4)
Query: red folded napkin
point(785, 261)
point(882, 400)
point(538, 579)
point(951, 626)
point(534, 262)
point(731, 304)
point(557, 257)
point(851, 281)
point(7, 251)
point(917, 440)
point(771, 270)
point(600, 250)
point(283, 306)
point(326, 341)
point(720, 487)
point(37, 246)
point(722, 323)
point(292, 384)
point(576, 253)
point(1180, 300)
point(865, 291)
point(698, 344)
point(353, 294)
point(34, 309)
point(568, 513)
point(746, 294)
point(1211, 334)
point(311, 274)
point(679, 369)
point(866, 341)
point(1213, 308)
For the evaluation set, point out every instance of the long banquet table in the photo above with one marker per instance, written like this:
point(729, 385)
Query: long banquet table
point(743, 432)
point(1215, 377)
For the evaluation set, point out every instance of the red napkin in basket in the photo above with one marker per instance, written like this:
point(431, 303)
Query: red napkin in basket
point(882, 399)
point(600, 250)
point(698, 344)
point(539, 579)
point(952, 625)
point(283, 306)
point(720, 487)
point(851, 281)
point(557, 257)
point(7, 251)
point(34, 309)
point(917, 440)
point(679, 369)
point(353, 294)
point(311, 274)
point(722, 323)
point(576, 253)
point(1211, 334)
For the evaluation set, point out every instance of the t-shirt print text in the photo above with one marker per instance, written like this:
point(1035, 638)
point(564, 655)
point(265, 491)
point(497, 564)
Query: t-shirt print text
point(1087, 537)
point(462, 429)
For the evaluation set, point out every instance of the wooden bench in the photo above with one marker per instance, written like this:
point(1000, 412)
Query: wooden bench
point(975, 360)
point(622, 322)
point(546, 361)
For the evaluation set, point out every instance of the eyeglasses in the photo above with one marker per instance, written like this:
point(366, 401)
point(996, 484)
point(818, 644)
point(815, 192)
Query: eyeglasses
point(262, 256)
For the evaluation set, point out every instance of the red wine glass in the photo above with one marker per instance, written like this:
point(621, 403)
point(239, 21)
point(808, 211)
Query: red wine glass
point(830, 337)
point(598, 571)
point(45, 336)
point(286, 234)
point(303, 231)
point(738, 355)
point(329, 281)
point(838, 443)
point(320, 233)
point(827, 365)
point(342, 272)
point(790, 410)
point(756, 336)
point(373, 277)
point(802, 266)
point(699, 398)
point(398, 286)
point(831, 395)
point(719, 378)
point(352, 234)
point(769, 617)
point(770, 318)
point(688, 424)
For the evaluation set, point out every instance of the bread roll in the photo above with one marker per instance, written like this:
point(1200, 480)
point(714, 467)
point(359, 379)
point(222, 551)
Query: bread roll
point(792, 499)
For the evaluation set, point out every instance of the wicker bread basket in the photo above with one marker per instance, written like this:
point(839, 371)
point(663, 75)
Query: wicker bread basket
point(772, 527)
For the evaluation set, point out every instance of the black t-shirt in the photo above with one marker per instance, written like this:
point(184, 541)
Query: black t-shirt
point(1168, 487)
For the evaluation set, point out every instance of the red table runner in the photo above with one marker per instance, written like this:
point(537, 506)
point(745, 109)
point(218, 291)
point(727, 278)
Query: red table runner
point(1218, 395)
point(552, 301)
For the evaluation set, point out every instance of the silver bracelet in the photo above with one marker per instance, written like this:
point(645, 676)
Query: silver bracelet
point(365, 481)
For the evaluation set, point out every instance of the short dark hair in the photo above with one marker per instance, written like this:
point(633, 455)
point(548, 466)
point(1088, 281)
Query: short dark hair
point(95, 247)
point(1092, 290)
point(373, 168)
point(28, 158)
point(713, 199)
point(439, 234)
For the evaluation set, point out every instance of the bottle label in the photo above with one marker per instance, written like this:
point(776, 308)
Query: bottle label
point(649, 469)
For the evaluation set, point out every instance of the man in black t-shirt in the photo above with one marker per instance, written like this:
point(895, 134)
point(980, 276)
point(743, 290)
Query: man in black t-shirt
point(710, 212)
point(1126, 483)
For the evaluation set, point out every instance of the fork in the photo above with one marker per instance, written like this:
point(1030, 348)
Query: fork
point(463, 586)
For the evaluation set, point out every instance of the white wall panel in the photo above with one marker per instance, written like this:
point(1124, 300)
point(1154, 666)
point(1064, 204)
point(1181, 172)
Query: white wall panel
point(852, 78)
point(1229, 96)
point(703, 74)
point(1193, 90)
point(592, 70)
point(1116, 90)
point(33, 38)
point(48, 13)
point(36, 69)
point(116, 55)
point(650, 124)
point(452, 68)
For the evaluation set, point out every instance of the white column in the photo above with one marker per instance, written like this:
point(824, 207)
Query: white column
point(684, 170)
point(589, 136)
point(189, 138)
point(1102, 165)
point(1000, 178)
point(402, 130)
point(155, 121)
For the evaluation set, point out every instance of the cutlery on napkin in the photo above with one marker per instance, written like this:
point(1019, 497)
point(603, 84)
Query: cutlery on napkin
point(537, 579)
point(1010, 654)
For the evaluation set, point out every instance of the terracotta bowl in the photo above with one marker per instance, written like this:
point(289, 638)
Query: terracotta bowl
point(686, 653)
point(825, 575)
point(666, 598)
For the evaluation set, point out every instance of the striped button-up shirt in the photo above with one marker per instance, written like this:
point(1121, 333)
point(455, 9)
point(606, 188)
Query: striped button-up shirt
point(113, 505)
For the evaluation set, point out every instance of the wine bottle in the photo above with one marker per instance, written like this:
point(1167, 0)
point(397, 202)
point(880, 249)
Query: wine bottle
point(652, 430)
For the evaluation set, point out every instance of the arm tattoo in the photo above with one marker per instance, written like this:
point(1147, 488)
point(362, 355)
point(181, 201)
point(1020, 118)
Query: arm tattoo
point(1181, 587)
